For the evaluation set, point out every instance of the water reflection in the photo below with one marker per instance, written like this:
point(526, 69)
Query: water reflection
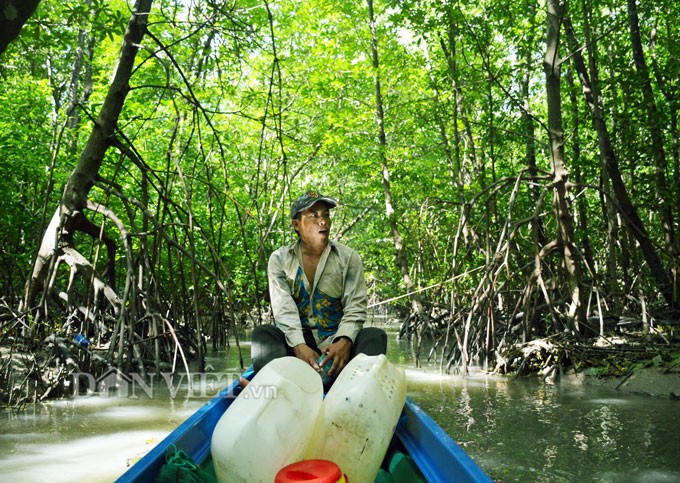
point(92, 438)
point(522, 430)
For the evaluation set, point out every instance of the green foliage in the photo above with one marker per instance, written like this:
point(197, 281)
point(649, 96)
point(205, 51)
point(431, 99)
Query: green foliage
point(622, 361)
point(25, 163)
point(232, 114)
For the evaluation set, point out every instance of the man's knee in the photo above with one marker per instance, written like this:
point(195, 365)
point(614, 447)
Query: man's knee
point(263, 333)
point(371, 341)
point(267, 343)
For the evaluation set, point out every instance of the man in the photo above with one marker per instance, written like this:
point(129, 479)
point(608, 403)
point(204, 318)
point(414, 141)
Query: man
point(316, 285)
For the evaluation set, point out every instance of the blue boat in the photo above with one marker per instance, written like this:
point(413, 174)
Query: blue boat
point(419, 441)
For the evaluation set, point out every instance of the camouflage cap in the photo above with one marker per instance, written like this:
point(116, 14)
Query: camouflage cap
point(307, 200)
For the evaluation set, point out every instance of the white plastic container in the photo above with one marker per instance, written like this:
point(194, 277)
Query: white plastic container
point(359, 416)
point(269, 424)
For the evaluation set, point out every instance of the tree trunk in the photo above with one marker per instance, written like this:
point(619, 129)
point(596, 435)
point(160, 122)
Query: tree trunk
point(535, 191)
point(449, 49)
point(581, 207)
point(69, 216)
point(666, 85)
point(655, 121)
point(607, 198)
point(625, 205)
point(561, 184)
point(80, 94)
point(400, 253)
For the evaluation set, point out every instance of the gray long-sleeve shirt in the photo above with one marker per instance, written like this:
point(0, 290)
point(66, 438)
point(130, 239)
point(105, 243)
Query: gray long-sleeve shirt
point(334, 303)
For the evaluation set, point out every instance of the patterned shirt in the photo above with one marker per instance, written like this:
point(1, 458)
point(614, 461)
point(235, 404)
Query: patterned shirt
point(334, 304)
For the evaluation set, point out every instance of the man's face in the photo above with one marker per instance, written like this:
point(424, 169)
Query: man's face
point(314, 224)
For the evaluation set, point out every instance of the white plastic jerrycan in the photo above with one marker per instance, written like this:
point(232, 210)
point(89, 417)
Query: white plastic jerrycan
point(269, 424)
point(359, 416)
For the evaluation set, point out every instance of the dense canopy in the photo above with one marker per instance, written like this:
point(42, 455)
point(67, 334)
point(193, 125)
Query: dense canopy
point(507, 170)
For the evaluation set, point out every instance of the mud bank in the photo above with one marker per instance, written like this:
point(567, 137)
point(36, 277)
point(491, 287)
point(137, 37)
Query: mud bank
point(648, 381)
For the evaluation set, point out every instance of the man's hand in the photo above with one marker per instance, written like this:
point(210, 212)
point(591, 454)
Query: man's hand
point(307, 355)
point(339, 351)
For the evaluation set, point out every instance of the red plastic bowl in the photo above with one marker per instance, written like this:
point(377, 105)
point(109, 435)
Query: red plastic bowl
point(311, 471)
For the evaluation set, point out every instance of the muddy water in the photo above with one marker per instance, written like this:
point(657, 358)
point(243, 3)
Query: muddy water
point(515, 430)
